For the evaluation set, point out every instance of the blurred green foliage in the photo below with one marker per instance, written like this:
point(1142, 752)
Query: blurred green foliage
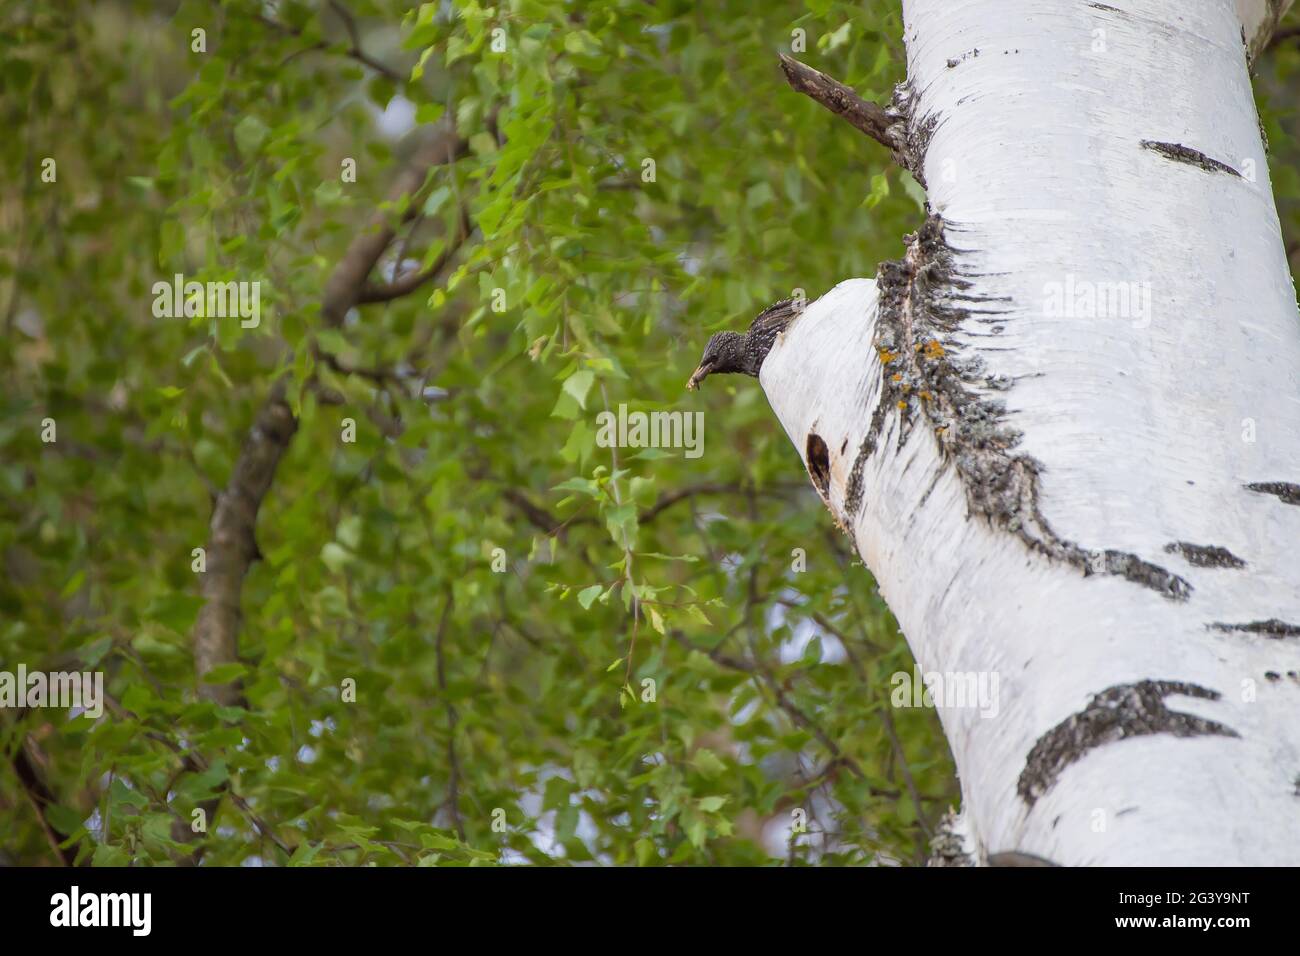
point(507, 595)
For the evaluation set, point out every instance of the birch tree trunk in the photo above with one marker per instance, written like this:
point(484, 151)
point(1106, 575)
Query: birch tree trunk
point(1064, 430)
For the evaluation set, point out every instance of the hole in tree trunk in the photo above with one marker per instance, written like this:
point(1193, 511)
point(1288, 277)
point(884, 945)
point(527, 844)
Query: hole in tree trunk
point(819, 463)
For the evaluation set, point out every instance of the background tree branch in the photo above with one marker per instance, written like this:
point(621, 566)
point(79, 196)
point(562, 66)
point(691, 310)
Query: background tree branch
point(232, 543)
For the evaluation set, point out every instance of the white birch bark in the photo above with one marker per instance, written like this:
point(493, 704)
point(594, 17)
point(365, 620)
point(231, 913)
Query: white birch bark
point(1098, 505)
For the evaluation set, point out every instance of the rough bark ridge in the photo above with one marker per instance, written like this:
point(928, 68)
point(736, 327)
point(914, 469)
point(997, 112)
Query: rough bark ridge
point(1064, 429)
point(924, 300)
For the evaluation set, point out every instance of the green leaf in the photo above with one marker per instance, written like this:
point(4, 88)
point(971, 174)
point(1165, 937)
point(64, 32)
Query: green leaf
point(879, 190)
point(621, 522)
point(697, 832)
point(646, 852)
point(708, 763)
point(65, 820)
point(92, 653)
point(250, 134)
point(579, 384)
point(106, 855)
point(349, 532)
point(174, 610)
point(304, 854)
point(332, 342)
point(74, 584)
point(225, 673)
point(429, 112)
point(121, 797)
point(335, 557)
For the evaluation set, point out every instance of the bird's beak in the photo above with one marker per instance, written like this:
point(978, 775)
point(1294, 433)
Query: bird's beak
point(699, 375)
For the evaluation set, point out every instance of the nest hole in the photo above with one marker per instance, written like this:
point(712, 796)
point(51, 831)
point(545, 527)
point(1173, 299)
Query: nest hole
point(819, 463)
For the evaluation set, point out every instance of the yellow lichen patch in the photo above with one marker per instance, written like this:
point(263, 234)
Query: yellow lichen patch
point(897, 377)
point(902, 405)
point(933, 350)
point(886, 356)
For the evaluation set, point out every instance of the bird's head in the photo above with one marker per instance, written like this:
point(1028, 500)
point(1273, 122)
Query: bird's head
point(724, 353)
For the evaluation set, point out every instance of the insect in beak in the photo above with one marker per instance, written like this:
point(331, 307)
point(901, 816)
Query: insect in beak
point(699, 375)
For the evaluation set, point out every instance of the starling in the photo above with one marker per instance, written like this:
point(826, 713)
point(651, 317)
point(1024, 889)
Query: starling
point(734, 352)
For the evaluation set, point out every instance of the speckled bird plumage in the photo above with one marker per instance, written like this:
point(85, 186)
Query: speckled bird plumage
point(744, 353)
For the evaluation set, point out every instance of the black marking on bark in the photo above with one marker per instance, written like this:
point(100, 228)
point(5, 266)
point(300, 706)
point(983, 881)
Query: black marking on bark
point(925, 377)
point(934, 483)
point(1272, 628)
point(1132, 568)
point(1205, 555)
point(958, 60)
point(854, 489)
point(1117, 713)
point(1288, 493)
point(819, 463)
point(1185, 154)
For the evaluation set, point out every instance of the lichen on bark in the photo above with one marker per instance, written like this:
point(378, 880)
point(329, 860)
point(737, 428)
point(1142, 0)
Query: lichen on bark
point(924, 299)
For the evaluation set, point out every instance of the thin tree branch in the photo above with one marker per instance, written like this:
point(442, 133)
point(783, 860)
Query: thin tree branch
point(869, 118)
point(548, 523)
point(41, 799)
point(354, 51)
point(380, 376)
point(1281, 36)
point(192, 762)
point(892, 732)
point(537, 516)
point(453, 785)
point(797, 716)
point(349, 279)
point(405, 285)
point(670, 498)
point(232, 544)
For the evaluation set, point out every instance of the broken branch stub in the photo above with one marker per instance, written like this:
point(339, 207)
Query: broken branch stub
point(871, 118)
